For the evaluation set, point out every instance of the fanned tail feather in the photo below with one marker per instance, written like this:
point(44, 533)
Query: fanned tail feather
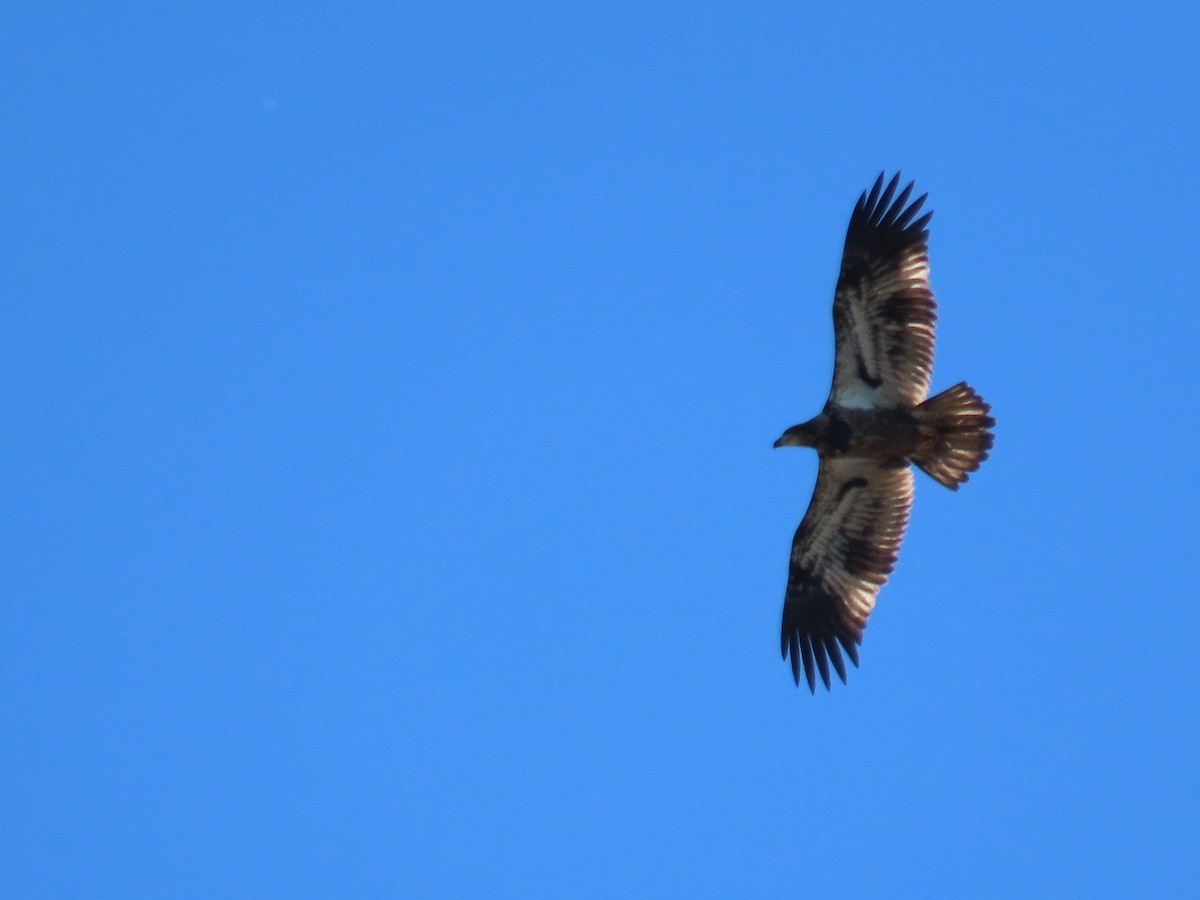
point(959, 424)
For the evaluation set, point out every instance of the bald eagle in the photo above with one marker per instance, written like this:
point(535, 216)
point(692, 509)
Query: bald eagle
point(876, 421)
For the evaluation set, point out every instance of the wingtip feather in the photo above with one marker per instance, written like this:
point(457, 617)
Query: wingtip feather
point(806, 652)
point(883, 215)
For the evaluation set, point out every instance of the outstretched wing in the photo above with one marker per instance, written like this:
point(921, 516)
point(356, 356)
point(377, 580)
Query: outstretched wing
point(843, 551)
point(883, 309)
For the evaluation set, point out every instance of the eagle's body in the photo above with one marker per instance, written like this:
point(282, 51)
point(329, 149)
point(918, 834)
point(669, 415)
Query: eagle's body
point(869, 433)
point(876, 421)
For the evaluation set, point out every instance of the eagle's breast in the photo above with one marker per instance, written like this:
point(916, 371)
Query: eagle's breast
point(870, 433)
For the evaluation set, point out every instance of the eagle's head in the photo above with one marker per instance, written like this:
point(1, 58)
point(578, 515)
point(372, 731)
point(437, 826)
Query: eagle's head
point(802, 435)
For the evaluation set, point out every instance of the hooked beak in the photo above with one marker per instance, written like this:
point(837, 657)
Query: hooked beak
point(793, 437)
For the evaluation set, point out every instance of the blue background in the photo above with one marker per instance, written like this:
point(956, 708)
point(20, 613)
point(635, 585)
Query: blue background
point(387, 483)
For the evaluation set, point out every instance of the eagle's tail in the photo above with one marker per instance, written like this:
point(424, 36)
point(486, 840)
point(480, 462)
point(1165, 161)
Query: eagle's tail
point(957, 423)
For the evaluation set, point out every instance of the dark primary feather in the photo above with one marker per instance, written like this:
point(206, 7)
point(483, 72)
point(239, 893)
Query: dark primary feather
point(842, 553)
point(883, 310)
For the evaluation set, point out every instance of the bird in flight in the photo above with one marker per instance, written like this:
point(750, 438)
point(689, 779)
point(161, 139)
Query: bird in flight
point(876, 421)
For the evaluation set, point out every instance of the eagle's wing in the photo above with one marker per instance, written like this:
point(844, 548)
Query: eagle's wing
point(843, 551)
point(883, 309)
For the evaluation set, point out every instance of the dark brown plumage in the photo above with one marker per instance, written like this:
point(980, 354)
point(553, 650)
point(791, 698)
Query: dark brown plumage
point(876, 421)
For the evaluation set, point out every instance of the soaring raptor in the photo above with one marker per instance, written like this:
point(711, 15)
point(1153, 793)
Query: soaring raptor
point(876, 421)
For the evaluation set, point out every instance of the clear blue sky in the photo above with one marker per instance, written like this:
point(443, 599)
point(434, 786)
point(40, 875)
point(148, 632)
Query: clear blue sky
point(388, 498)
